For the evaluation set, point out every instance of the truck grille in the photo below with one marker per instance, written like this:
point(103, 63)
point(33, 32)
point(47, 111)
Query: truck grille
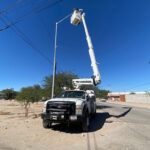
point(60, 107)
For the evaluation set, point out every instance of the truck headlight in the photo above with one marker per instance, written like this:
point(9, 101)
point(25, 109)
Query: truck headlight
point(44, 108)
point(78, 110)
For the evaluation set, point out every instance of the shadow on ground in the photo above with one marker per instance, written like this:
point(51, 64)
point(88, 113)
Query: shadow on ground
point(103, 107)
point(95, 123)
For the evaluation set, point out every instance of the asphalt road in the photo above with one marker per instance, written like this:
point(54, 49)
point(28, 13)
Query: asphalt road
point(132, 132)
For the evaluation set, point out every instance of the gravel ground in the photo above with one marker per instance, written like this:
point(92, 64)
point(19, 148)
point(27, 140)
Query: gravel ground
point(18, 132)
point(116, 127)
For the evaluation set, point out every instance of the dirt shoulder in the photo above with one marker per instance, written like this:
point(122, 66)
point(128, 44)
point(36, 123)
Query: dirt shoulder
point(18, 132)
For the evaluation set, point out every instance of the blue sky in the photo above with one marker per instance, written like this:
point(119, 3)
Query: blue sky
point(120, 32)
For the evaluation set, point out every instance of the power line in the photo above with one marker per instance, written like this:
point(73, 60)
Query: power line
point(37, 9)
point(46, 28)
point(41, 20)
point(143, 84)
point(4, 28)
point(50, 5)
point(139, 85)
point(27, 40)
point(14, 4)
point(30, 12)
point(21, 34)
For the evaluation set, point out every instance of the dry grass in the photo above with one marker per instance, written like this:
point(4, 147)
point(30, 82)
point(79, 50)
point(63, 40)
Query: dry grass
point(12, 104)
point(4, 113)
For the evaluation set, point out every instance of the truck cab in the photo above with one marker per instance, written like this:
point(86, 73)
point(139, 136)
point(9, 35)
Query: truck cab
point(70, 106)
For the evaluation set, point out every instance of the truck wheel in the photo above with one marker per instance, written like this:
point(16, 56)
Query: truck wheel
point(85, 122)
point(46, 124)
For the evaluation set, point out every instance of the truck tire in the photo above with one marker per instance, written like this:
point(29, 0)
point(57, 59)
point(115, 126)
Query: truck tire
point(85, 122)
point(46, 124)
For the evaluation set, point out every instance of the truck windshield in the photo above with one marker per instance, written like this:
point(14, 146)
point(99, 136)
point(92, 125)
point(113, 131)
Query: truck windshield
point(72, 94)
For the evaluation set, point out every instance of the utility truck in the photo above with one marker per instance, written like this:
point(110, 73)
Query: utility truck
point(74, 105)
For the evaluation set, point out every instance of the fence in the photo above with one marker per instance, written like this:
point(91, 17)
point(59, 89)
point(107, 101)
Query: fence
point(138, 98)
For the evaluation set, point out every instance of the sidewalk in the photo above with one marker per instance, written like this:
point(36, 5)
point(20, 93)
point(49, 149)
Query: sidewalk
point(142, 105)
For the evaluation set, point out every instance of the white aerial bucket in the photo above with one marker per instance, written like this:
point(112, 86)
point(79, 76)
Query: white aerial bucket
point(76, 17)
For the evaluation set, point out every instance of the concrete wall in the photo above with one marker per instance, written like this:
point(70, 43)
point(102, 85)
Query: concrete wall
point(138, 98)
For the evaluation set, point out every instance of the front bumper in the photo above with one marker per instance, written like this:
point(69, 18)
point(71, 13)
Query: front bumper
point(61, 118)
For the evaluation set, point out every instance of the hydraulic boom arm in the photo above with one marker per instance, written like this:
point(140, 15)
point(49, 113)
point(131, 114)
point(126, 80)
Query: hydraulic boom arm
point(96, 79)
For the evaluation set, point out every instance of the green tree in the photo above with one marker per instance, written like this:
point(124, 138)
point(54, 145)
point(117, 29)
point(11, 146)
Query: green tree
point(103, 93)
point(62, 79)
point(29, 95)
point(132, 93)
point(9, 94)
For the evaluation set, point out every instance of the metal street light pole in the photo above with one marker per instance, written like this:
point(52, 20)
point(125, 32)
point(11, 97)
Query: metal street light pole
point(55, 47)
point(54, 68)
